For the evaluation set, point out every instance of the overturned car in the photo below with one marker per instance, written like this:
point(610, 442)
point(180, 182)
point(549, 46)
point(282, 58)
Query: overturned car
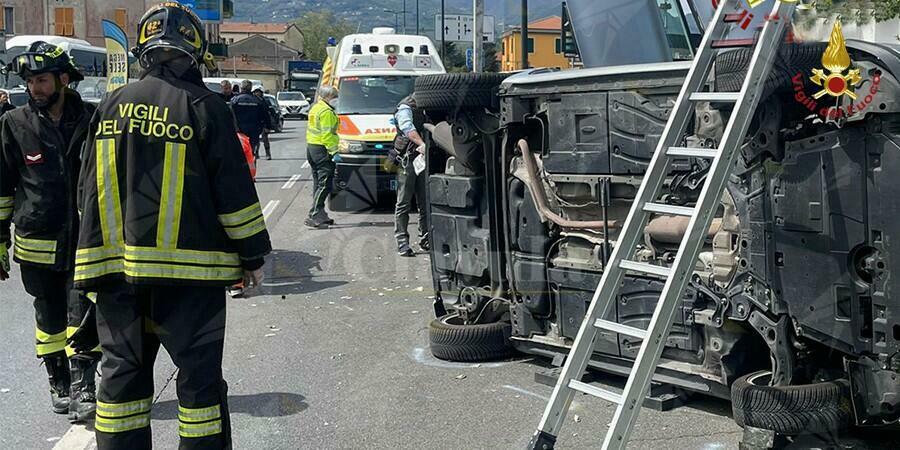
point(532, 176)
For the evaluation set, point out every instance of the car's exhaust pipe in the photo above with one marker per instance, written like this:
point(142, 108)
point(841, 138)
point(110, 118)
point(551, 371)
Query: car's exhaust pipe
point(540, 196)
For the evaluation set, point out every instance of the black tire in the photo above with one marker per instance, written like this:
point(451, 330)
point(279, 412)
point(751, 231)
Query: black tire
point(453, 91)
point(453, 341)
point(808, 408)
point(731, 67)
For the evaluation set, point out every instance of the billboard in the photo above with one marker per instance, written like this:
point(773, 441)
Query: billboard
point(207, 10)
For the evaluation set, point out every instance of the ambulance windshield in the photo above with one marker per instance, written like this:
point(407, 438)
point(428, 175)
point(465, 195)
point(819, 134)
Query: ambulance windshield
point(372, 94)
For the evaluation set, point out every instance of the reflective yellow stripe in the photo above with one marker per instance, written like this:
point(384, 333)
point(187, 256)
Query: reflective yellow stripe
point(147, 270)
point(6, 202)
point(245, 231)
point(36, 245)
point(35, 257)
point(92, 296)
point(87, 255)
point(96, 270)
point(50, 348)
point(236, 218)
point(197, 430)
point(108, 193)
point(111, 410)
point(49, 343)
point(169, 222)
point(142, 254)
point(199, 414)
point(6, 213)
point(107, 425)
point(70, 352)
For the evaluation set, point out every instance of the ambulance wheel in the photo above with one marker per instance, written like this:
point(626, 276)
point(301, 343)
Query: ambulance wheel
point(454, 91)
point(452, 340)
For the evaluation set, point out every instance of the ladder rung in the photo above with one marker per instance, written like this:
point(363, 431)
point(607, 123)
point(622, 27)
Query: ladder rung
point(715, 96)
point(649, 269)
point(595, 391)
point(693, 152)
point(661, 208)
point(621, 329)
point(734, 43)
point(734, 17)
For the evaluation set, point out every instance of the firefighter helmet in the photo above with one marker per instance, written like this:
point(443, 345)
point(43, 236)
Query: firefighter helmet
point(170, 26)
point(42, 57)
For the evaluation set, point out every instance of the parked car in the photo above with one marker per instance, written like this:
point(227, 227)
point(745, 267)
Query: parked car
point(275, 113)
point(293, 104)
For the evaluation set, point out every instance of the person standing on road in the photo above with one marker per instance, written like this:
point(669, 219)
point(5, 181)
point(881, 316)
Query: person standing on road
point(227, 93)
point(5, 105)
point(321, 146)
point(258, 93)
point(40, 150)
point(409, 145)
point(252, 114)
point(170, 219)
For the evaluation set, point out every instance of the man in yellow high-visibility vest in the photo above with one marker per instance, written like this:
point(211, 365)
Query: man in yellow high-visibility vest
point(321, 145)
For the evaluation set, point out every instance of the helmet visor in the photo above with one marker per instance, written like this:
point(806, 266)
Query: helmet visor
point(34, 63)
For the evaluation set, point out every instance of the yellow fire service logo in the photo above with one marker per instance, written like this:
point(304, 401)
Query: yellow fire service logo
point(836, 79)
point(836, 60)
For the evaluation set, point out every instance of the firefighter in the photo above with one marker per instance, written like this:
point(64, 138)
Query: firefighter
point(409, 145)
point(40, 150)
point(170, 218)
point(270, 125)
point(321, 146)
point(252, 114)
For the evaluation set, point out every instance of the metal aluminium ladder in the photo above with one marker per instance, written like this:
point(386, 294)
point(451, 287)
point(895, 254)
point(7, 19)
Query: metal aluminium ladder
point(646, 203)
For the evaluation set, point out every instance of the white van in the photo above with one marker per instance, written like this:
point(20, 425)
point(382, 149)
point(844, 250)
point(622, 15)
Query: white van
point(373, 72)
point(89, 59)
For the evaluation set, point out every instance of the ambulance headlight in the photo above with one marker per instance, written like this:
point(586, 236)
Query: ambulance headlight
point(346, 146)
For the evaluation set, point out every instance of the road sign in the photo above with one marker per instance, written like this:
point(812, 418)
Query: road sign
point(469, 59)
point(459, 27)
point(207, 10)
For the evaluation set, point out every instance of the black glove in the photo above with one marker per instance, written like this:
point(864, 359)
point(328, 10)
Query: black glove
point(85, 339)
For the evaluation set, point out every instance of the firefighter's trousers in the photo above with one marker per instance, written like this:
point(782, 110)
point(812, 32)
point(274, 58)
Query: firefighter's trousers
point(190, 323)
point(58, 309)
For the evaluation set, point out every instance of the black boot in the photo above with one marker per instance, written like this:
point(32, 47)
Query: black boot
point(84, 390)
point(58, 371)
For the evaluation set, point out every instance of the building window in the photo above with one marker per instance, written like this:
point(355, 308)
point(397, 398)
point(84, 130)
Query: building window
point(65, 22)
point(558, 46)
point(530, 45)
point(8, 21)
point(122, 18)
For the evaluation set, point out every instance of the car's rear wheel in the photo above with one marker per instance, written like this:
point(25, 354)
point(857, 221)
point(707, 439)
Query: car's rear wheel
point(452, 340)
point(808, 408)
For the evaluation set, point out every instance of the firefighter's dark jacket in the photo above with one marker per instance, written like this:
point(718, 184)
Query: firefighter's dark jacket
point(39, 163)
point(167, 195)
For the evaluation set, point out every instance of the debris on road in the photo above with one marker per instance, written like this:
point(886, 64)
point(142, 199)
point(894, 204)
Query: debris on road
point(461, 377)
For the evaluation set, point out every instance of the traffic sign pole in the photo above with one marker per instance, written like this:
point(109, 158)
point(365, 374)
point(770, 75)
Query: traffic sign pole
point(478, 36)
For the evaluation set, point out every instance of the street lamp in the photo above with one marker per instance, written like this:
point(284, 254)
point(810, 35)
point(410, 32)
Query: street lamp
point(396, 17)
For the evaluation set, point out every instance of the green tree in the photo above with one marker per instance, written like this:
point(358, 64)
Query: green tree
point(317, 27)
point(857, 11)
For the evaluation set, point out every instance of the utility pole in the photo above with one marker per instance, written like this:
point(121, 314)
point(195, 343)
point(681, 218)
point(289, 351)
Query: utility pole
point(417, 17)
point(404, 16)
point(524, 34)
point(477, 36)
point(443, 31)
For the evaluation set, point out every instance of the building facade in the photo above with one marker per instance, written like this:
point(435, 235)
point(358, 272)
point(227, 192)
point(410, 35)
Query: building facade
point(264, 51)
point(284, 33)
point(544, 46)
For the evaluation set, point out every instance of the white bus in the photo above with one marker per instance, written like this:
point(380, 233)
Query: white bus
point(89, 59)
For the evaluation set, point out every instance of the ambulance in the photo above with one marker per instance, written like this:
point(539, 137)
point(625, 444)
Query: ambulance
point(372, 72)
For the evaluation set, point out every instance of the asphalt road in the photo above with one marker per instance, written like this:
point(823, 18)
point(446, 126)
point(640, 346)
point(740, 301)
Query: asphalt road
point(332, 353)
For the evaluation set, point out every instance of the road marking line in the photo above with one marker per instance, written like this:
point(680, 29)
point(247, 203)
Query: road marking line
point(79, 437)
point(305, 165)
point(523, 391)
point(291, 182)
point(270, 208)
